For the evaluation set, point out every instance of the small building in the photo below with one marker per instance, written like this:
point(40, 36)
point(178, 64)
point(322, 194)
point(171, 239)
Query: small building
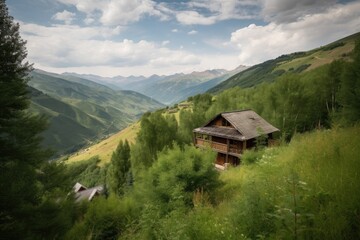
point(84, 193)
point(230, 133)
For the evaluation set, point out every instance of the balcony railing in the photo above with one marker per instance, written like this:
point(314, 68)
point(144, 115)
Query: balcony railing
point(218, 146)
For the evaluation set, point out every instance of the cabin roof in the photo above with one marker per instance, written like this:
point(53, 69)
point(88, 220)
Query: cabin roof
point(230, 133)
point(88, 194)
point(79, 187)
point(247, 125)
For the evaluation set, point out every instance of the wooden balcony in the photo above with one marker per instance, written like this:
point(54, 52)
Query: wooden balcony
point(220, 147)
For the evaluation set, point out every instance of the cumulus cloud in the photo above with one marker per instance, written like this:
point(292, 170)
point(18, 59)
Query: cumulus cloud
point(86, 6)
point(175, 30)
point(166, 42)
point(119, 12)
point(122, 12)
point(291, 10)
point(193, 17)
point(260, 43)
point(217, 10)
point(65, 16)
point(192, 32)
point(72, 46)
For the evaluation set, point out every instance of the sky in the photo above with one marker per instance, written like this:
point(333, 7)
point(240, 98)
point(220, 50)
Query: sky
point(146, 37)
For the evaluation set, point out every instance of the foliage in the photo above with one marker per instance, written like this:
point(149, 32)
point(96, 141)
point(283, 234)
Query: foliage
point(350, 89)
point(20, 154)
point(190, 120)
point(251, 156)
point(120, 168)
point(156, 133)
point(177, 174)
point(308, 189)
point(104, 219)
point(32, 189)
point(88, 172)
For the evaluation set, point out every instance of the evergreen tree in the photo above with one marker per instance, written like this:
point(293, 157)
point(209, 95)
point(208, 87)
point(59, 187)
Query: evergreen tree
point(20, 152)
point(350, 89)
point(121, 168)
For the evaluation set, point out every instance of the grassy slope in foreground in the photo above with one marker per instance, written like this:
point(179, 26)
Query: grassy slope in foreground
point(320, 170)
point(105, 148)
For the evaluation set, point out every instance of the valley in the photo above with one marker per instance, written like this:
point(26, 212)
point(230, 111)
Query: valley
point(81, 111)
point(171, 120)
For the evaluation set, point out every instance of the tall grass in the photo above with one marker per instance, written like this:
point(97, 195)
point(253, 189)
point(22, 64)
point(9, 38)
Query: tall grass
point(309, 189)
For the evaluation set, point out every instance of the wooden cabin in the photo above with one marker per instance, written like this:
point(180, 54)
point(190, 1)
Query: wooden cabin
point(230, 133)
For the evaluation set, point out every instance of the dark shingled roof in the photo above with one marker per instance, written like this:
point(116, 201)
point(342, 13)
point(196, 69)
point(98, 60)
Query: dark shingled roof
point(247, 123)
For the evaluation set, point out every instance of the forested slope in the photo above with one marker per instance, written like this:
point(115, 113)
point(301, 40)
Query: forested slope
point(80, 111)
point(291, 63)
point(306, 188)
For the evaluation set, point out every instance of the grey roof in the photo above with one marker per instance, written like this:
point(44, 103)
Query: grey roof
point(230, 133)
point(247, 123)
point(88, 194)
point(78, 187)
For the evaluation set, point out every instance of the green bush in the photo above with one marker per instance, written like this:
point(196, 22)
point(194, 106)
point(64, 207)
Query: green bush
point(251, 156)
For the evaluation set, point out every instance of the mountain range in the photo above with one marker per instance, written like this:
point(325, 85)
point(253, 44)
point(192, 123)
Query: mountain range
point(84, 108)
point(81, 111)
point(167, 89)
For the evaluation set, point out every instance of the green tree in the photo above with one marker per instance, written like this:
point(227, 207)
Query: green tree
point(350, 88)
point(120, 168)
point(20, 152)
point(156, 133)
point(177, 174)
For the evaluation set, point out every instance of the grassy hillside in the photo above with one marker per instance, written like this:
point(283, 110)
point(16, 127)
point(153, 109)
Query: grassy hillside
point(296, 62)
point(307, 189)
point(81, 111)
point(105, 148)
point(314, 177)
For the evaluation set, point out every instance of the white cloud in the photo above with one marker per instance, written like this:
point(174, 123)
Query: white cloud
point(193, 17)
point(89, 20)
point(166, 42)
point(174, 30)
point(123, 11)
point(86, 6)
point(260, 43)
point(192, 32)
point(65, 16)
point(71, 46)
point(291, 10)
point(219, 10)
point(119, 12)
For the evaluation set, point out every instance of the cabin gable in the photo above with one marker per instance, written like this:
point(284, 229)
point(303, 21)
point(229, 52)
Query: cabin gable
point(219, 121)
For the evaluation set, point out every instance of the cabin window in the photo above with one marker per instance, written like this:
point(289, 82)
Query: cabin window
point(225, 123)
point(206, 137)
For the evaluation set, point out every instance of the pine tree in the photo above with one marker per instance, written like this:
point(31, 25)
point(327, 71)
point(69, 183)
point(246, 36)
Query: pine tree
point(121, 168)
point(20, 152)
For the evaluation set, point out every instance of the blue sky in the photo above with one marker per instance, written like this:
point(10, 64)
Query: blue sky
point(145, 37)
